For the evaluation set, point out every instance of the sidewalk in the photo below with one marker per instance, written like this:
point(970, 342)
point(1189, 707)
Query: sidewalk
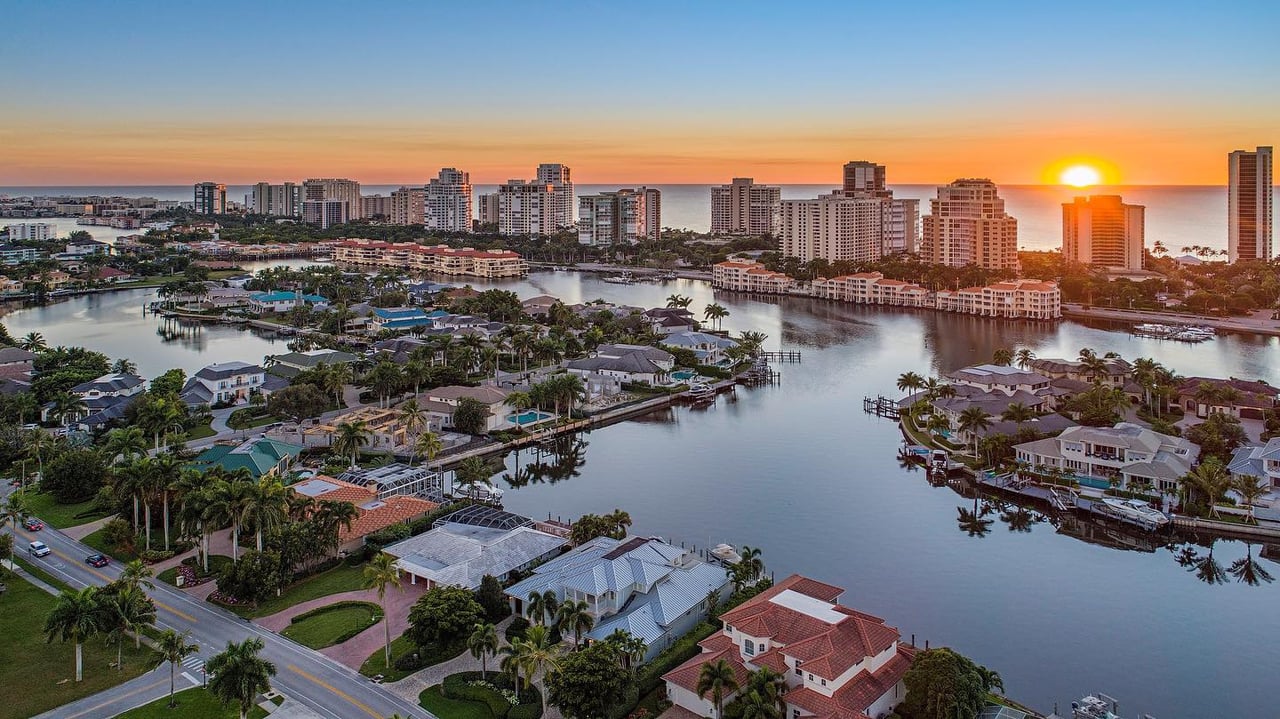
point(80, 531)
point(355, 650)
point(411, 686)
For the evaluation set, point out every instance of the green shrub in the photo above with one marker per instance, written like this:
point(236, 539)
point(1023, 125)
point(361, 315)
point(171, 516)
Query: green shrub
point(464, 686)
point(458, 686)
point(516, 629)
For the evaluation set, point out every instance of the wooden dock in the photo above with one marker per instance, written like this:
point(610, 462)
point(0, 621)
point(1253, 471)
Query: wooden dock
point(781, 356)
point(881, 406)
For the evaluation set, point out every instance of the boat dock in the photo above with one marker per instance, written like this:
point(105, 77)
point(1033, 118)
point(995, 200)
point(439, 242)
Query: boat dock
point(781, 356)
point(881, 406)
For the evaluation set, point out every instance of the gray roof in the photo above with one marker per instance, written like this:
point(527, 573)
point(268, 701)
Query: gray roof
point(634, 363)
point(694, 339)
point(1251, 460)
point(109, 383)
point(222, 370)
point(653, 354)
point(649, 616)
point(462, 554)
point(997, 375)
point(314, 358)
point(10, 355)
point(993, 403)
point(1048, 424)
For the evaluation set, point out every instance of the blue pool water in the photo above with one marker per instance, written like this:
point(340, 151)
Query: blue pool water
point(1095, 482)
point(528, 417)
point(683, 374)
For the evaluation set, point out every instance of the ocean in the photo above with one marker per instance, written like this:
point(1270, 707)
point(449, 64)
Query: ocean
point(1178, 216)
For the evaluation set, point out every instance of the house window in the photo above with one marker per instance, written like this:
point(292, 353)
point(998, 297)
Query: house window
point(749, 647)
point(824, 682)
point(798, 672)
point(811, 677)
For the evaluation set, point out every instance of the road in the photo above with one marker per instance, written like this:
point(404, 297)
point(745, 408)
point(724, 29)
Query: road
point(320, 683)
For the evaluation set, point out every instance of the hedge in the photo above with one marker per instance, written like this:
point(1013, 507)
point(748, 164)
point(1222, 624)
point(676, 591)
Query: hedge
point(458, 686)
point(341, 605)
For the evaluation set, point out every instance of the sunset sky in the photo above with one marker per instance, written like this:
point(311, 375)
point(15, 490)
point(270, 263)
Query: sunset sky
point(384, 92)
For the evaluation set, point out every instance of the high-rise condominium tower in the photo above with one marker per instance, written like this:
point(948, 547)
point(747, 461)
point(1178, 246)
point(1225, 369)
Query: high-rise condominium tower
point(284, 200)
point(448, 202)
point(967, 224)
point(861, 221)
point(407, 205)
point(1103, 231)
point(1249, 201)
point(864, 177)
point(333, 190)
point(562, 201)
point(210, 198)
point(623, 217)
point(745, 208)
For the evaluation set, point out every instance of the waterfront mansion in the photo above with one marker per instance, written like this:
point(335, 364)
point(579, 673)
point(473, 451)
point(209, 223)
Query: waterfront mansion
point(838, 663)
point(1014, 299)
point(1125, 455)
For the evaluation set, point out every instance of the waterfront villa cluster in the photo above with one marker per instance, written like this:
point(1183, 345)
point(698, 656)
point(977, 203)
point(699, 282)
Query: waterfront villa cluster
point(1014, 299)
point(837, 662)
point(1126, 455)
point(426, 258)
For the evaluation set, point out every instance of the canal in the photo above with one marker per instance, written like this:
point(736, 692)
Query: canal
point(798, 470)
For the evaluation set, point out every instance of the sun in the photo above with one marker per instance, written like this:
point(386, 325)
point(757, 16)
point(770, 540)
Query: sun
point(1080, 176)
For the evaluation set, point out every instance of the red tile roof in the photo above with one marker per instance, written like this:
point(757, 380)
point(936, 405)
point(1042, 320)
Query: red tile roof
point(852, 699)
point(390, 511)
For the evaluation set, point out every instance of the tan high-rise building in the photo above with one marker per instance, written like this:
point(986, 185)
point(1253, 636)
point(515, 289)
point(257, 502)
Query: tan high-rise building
point(372, 206)
point(625, 217)
point(562, 205)
point(1249, 205)
point(487, 209)
point(967, 224)
point(448, 203)
point(326, 213)
point(833, 227)
point(861, 176)
point(282, 200)
point(745, 208)
point(1103, 231)
point(526, 208)
point(407, 205)
point(337, 190)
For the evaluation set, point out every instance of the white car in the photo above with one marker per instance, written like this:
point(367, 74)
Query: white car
point(38, 549)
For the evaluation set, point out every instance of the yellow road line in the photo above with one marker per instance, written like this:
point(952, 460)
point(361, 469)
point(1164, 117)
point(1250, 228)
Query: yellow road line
point(122, 697)
point(108, 579)
point(335, 690)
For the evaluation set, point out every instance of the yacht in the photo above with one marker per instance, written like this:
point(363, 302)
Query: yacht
point(701, 391)
point(481, 491)
point(1133, 511)
point(626, 278)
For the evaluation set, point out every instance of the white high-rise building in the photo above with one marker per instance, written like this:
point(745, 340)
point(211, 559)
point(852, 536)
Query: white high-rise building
point(626, 216)
point(562, 201)
point(1249, 205)
point(330, 189)
point(487, 212)
point(1103, 231)
point(745, 208)
point(524, 208)
point(967, 224)
point(901, 225)
point(833, 227)
point(284, 200)
point(448, 202)
point(33, 231)
point(210, 198)
point(408, 205)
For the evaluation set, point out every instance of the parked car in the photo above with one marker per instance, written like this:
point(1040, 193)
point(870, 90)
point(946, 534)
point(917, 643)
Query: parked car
point(38, 549)
point(97, 560)
point(31, 524)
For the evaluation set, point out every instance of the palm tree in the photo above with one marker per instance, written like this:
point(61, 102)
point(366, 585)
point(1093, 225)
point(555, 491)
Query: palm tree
point(540, 606)
point(125, 611)
point(124, 365)
point(335, 378)
point(33, 342)
point(679, 301)
point(1249, 491)
point(537, 655)
point(136, 574)
point(631, 649)
point(1003, 357)
point(714, 313)
point(1024, 357)
point(379, 574)
point(229, 503)
point(168, 470)
point(174, 648)
point(39, 443)
point(972, 522)
point(267, 507)
point(909, 382)
point(74, 618)
point(1210, 479)
point(937, 424)
point(240, 674)
point(718, 680)
point(973, 420)
point(14, 510)
point(1247, 570)
point(751, 563)
point(483, 643)
point(351, 436)
point(575, 616)
point(429, 446)
point(126, 442)
point(1018, 412)
point(65, 407)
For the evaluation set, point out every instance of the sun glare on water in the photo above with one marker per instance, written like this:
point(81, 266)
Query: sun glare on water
point(1081, 176)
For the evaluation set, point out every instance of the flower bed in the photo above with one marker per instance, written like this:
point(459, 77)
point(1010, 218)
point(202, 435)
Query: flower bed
point(190, 578)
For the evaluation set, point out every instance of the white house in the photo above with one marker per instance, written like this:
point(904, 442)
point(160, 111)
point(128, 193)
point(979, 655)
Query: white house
point(709, 348)
point(280, 301)
point(224, 382)
point(838, 663)
point(493, 398)
point(1262, 464)
point(633, 367)
point(1125, 454)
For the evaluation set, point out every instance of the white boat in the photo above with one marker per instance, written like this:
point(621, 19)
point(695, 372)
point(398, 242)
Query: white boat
point(1100, 706)
point(1133, 511)
point(701, 390)
point(481, 491)
point(726, 553)
point(625, 278)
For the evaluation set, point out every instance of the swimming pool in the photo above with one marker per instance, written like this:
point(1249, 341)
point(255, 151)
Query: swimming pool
point(529, 417)
point(684, 374)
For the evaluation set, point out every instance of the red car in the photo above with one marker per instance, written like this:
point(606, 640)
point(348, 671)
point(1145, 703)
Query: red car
point(97, 560)
point(31, 524)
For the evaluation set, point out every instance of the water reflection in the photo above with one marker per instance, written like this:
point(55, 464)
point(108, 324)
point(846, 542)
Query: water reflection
point(550, 461)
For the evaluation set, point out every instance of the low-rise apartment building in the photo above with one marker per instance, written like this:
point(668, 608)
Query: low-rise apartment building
point(428, 258)
point(871, 288)
point(749, 276)
point(1013, 299)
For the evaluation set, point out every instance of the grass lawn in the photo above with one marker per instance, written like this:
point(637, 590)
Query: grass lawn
point(342, 578)
point(39, 676)
point(61, 516)
point(194, 703)
point(433, 701)
point(200, 432)
point(334, 624)
point(400, 646)
point(99, 542)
